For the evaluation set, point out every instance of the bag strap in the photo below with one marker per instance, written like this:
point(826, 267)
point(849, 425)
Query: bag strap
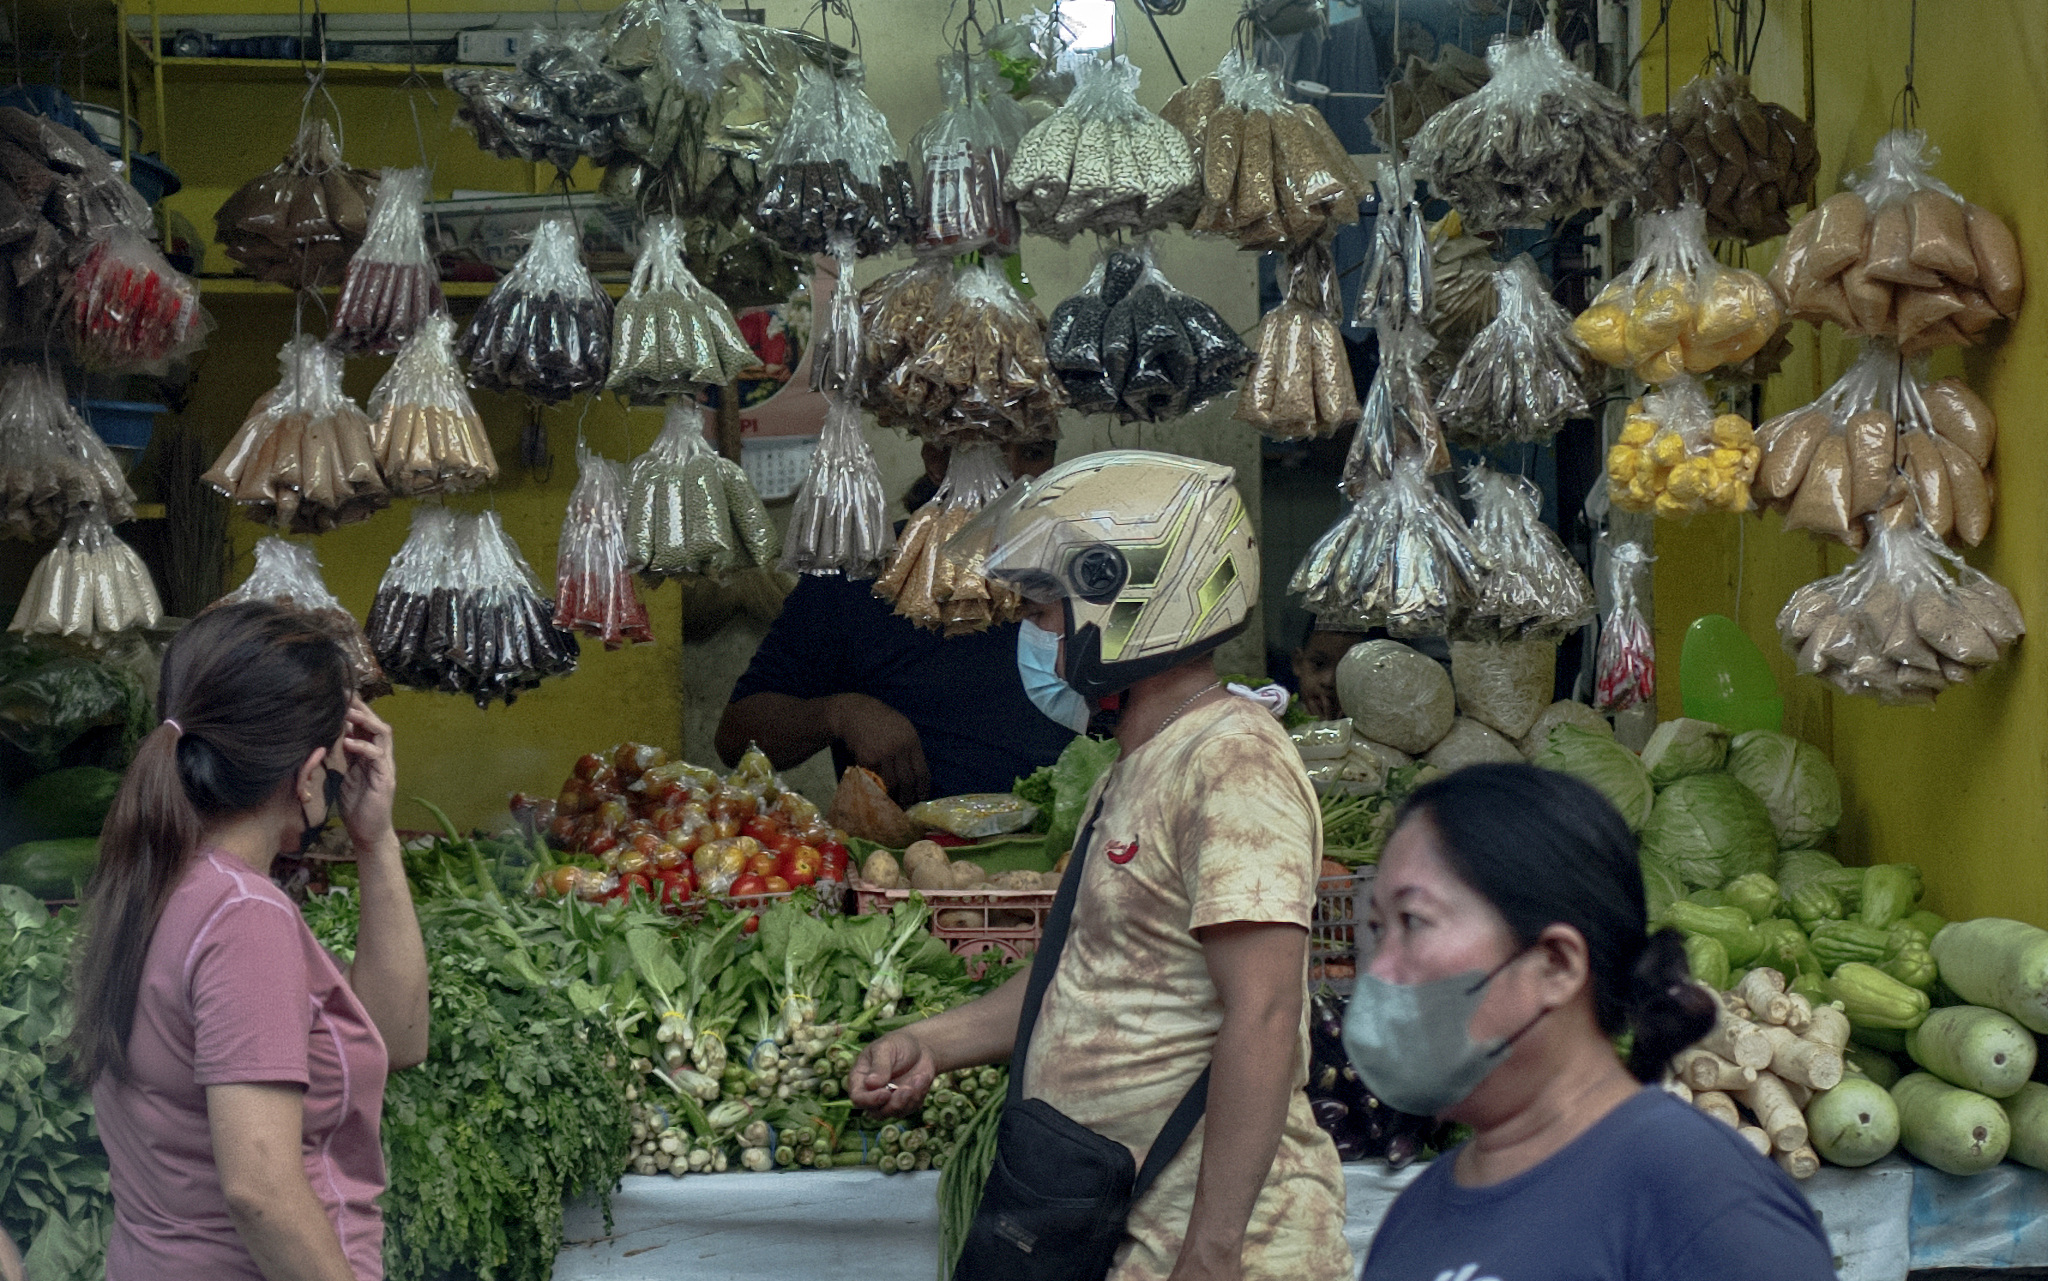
point(1192, 1106)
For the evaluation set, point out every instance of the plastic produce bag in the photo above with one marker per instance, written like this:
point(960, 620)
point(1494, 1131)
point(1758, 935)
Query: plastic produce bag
point(1299, 384)
point(546, 328)
point(1399, 285)
point(1540, 140)
point(426, 433)
point(594, 589)
point(90, 585)
point(840, 521)
point(1676, 456)
point(1424, 88)
point(1465, 288)
point(297, 224)
point(976, 816)
point(1748, 162)
point(1131, 344)
point(459, 611)
point(560, 104)
point(1522, 376)
point(962, 159)
point(1907, 620)
point(1902, 256)
point(1625, 667)
point(836, 367)
point(931, 588)
point(1399, 417)
point(1401, 558)
point(126, 311)
point(288, 574)
point(672, 335)
point(1504, 684)
point(836, 171)
point(1101, 162)
point(1395, 695)
point(981, 370)
point(393, 284)
point(1273, 174)
point(692, 511)
point(52, 465)
point(1678, 310)
point(304, 460)
point(897, 312)
point(1532, 588)
point(59, 194)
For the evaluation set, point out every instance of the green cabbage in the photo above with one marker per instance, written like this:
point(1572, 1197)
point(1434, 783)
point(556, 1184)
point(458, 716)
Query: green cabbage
point(1611, 769)
point(1684, 747)
point(1796, 783)
point(1710, 829)
point(1661, 888)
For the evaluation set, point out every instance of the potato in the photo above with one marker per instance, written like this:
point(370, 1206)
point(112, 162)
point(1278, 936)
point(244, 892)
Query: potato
point(1017, 881)
point(969, 876)
point(881, 871)
point(923, 851)
point(1050, 880)
point(958, 918)
point(932, 874)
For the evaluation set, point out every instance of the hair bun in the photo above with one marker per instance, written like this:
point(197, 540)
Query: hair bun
point(1667, 1011)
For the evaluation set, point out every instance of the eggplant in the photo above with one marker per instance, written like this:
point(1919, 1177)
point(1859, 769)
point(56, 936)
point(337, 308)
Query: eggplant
point(1330, 1114)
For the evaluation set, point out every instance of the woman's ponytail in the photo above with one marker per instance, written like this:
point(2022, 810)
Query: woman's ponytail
point(1667, 1011)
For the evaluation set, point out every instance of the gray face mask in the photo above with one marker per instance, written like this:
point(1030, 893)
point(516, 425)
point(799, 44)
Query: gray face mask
point(1410, 1041)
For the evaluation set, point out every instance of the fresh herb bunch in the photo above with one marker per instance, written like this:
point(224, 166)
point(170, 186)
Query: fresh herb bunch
point(1356, 828)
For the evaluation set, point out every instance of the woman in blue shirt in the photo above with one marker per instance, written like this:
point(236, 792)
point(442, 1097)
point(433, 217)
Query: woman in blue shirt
point(1511, 952)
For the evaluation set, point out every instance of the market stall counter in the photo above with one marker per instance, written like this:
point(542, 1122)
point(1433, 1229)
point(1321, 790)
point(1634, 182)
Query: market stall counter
point(1884, 1221)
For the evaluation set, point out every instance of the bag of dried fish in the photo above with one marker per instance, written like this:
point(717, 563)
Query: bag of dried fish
point(840, 522)
point(1677, 310)
point(428, 437)
point(1300, 384)
point(1103, 163)
point(52, 465)
point(127, 311)
point(1461, 269)
point(1902, 256)
point(1532, 589)
point(1399, 282)
point(836, 171)
point(1424, 89)
point(934, 590)
point(962, 159)
point(1625, 664)
point(90, 585)
point(1523, 376)
point(692, 511)
point(671, 334)
point(304, 459)
point(1748, 162)
point(1903, 623)
point(546, 328)
point(1677, 457)
point(1399, 417)
point(1130, 343)
point(982, 370)
point(594, 589)
point(560, 104)
point(288, 574)
point(298, 223)
point(393, 283)
point(1541, 140)
point(1273, 174)
point(1402, 558)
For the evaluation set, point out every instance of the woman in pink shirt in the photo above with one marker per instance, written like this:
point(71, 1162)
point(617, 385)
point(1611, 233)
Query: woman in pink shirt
point(237, 1069)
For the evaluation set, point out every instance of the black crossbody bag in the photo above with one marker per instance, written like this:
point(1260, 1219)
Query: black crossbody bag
point(1059, 1195)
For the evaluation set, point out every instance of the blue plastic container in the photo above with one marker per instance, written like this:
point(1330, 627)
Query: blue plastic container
point(126, 425)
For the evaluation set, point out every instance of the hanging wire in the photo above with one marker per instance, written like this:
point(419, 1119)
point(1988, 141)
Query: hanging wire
point(1906, 107)
point(1152, 16)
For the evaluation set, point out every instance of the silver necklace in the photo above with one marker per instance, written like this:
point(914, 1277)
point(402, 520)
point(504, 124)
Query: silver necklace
point(1211, 688)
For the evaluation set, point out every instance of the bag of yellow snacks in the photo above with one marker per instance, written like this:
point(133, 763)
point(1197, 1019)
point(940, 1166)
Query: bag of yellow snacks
point(1677, 457)
point(1678, 311)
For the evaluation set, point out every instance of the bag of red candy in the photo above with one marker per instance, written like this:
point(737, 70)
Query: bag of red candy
point(594, 591)
point(127, 311)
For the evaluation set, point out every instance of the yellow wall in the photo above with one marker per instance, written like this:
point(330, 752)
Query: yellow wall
point(1961, 788)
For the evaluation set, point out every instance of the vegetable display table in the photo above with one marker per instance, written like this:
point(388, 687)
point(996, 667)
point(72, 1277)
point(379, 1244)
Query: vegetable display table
point(851, 1225)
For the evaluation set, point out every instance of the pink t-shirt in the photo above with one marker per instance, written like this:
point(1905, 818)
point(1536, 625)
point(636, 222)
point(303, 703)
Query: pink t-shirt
point(236, 991)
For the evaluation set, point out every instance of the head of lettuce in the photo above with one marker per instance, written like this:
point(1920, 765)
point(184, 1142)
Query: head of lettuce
point(1710, 829)
point(1795, 782)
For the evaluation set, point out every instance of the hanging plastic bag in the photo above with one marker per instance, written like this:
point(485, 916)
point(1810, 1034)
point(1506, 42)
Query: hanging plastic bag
point(1677, 457)
point(1532, 589)
point(1902, 256)
point(304, 459)
point(393, 284)
point(1399, 284)
point(1299, 384)
point(1677, 310)
point(126, 311)
point(1464, 280)
point(1748, 162)
point(1399, 416)
point(1540, 141)
point(1401, 558)
point(594, 590)
point(90, 585)
point(672, 335)
point(1903, 623)
point(692, 511)
point(840, 521)
point(934, 590)
point(288, 574)
point(1103, 163)
point(1273, 174)
point(1424, 89)
point(962, 158)
point(546, 328)
point(427, 434)
point(560, 104)
point(836, 171)
point(52, 465)
point(981, 370)
point(836, 367)
point(1522, 377)
point(297, 224)
point(896, 317)
point(1130, 343)
point(1625, 666)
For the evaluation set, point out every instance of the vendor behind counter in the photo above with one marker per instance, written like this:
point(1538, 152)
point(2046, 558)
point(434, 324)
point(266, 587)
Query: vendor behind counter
point(931, 715)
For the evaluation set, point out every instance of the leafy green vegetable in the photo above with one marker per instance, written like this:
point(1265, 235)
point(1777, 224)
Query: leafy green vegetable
point(1073, 776)
point(1356, 828)
point(1795, 782)
point(1037, 788)
point(1611, 769)
point(1710, 829)
point(1682, 748)
point(51, 696)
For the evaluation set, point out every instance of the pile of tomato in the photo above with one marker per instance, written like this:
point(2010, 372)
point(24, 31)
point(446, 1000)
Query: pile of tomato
point(676, 832)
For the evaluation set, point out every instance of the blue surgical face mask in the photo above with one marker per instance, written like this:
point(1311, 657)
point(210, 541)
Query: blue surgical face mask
point(1038, 656)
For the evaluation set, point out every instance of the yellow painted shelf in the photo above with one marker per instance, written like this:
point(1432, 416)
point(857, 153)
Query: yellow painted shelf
point(292, 69)
point(244, 286)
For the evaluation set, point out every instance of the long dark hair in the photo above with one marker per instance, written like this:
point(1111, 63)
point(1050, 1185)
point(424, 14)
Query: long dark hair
point(255, 689)
point(1544, 848)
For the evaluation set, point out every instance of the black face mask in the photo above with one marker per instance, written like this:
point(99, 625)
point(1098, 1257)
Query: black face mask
point(333, 794)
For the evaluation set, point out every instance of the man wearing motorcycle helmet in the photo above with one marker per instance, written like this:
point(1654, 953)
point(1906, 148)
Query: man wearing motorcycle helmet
point(1188, 946)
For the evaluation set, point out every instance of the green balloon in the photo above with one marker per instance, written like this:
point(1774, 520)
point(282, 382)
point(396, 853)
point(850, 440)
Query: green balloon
point(1724, 678)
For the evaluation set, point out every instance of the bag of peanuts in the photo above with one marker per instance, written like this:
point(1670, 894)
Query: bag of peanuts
point(1677, 310)
point(1103, 163)
point(1677, 457)
point(1902, 256)
point(1300, 384)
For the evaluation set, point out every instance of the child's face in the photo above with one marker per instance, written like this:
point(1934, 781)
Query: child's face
point(1315, 666)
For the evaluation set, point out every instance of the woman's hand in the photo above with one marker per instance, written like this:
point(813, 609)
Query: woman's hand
point(370, 783)
point(891, 1076)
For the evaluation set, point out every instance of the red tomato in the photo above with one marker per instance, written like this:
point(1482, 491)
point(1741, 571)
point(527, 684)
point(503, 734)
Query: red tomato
point(649, 844)
point(775, 885)
point(600, 841)
point(762, 829)
point(747, 885)
point(753, 924)
point(632, 882)
point(722, 829)
point(563, 830)
point(739, 805)
point(787, 843)
point(672, 888)
point(762, 864)
point(633, 862)
point(830, 847)
point(802, 874)
point(588, 766)
point(836, 863)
